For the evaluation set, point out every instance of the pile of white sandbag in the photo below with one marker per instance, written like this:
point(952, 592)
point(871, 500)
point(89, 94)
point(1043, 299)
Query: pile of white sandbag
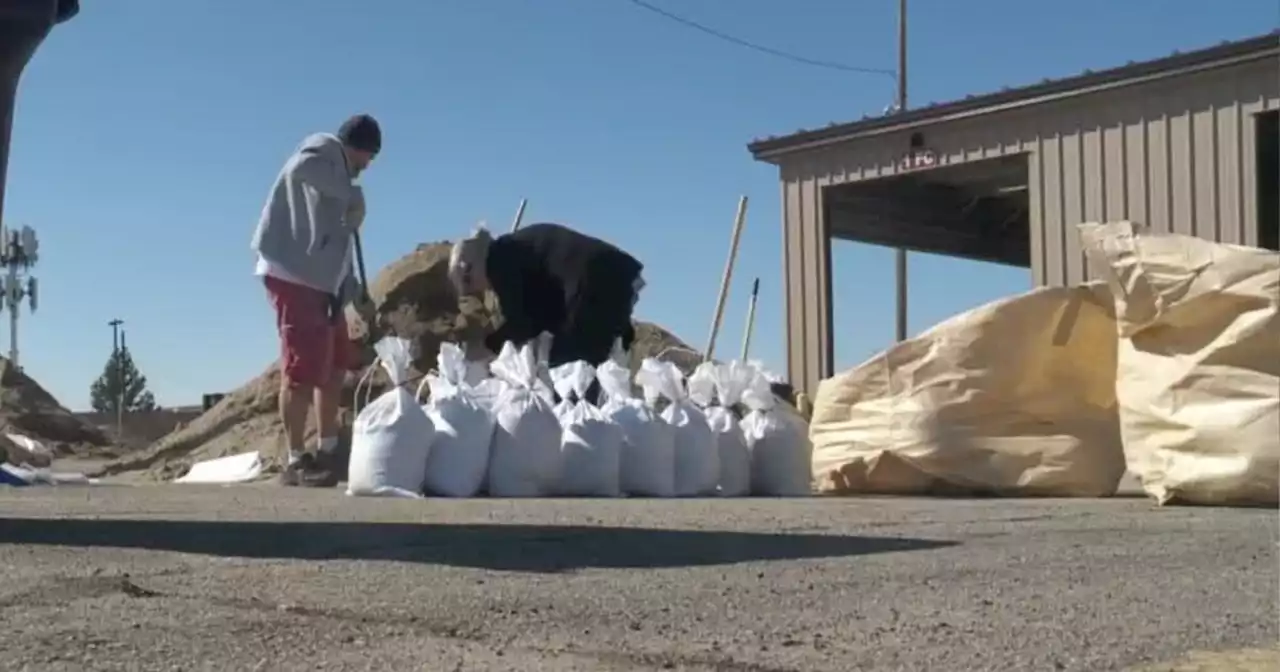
point(521, 430)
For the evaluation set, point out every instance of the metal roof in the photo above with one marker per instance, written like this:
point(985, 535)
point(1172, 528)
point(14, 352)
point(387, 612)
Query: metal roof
point(1254, 47)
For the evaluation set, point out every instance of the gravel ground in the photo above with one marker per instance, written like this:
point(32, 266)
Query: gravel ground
point(262, 578)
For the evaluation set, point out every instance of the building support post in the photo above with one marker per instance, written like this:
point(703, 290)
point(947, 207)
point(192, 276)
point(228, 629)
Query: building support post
point(900, 254)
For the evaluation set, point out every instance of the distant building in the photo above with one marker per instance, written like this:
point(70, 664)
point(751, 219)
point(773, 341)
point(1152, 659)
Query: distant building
point(211, 400)
point(1189, 143)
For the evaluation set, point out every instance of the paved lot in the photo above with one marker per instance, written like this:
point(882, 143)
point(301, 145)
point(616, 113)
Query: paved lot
point(255, 577)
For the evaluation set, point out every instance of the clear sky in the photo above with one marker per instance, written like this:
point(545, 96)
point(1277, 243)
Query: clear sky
point(148, 132)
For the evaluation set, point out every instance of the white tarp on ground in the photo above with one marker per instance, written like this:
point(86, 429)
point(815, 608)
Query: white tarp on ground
point(30, 453)
point(1198, 380)
point(241, 468)
point(1016, 397)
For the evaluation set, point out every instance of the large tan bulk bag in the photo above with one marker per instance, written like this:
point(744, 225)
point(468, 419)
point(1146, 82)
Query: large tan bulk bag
point(1198, 378)
point(1016, 397)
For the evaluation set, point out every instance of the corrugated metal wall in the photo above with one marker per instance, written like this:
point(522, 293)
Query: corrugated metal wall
point(1175, 154)
point(1178, 156)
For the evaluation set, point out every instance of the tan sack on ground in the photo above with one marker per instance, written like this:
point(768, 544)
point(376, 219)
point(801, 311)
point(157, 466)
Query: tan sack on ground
point(1016, 397)
point(1199, 363)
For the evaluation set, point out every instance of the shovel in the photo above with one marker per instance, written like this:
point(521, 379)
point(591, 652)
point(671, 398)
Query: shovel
point(364, 303)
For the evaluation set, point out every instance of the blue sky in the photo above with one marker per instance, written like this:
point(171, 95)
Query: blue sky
point(148, 132)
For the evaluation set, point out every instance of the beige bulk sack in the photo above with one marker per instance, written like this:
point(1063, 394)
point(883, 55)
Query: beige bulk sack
point(1198, 380)
point(1016, 397)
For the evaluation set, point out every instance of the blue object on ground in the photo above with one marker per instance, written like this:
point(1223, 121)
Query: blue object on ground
point(9, 477)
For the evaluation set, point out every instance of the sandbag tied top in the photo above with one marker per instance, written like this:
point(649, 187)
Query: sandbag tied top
point(458, 462)
point(392, 436)
point(571, 382)
point(648, 450)
point(591, 442)
point(781, 454)
point(526, 445)
point(718, 388)
point(697, 462)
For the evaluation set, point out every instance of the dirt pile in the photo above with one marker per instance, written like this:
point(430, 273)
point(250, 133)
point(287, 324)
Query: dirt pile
point(244, 420)
point(27, 408)
point(414, 301)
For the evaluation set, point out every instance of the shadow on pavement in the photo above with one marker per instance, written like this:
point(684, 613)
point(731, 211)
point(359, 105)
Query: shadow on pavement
point(529, 548)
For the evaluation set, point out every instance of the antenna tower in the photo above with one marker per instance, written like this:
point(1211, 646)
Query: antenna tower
point(19, 252)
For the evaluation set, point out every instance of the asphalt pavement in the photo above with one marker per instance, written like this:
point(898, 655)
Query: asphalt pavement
point(263, 578)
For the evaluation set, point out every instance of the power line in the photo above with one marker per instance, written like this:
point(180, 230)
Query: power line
point(777, 53)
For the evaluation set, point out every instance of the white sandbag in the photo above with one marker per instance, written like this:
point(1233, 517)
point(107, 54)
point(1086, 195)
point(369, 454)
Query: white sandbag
point(525, 461)
point(619, 355)
point(591, 443)
point(458, 462)
point(489, 389)
point(486, 393)
point(781, 454)
point(570, 382)
point(391, 437)
point(648, 449)
point(717, 388)
point(697, 462)
point(561, 380)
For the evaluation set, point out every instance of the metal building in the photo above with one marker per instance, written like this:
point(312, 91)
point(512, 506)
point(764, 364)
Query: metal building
point(1188, 143)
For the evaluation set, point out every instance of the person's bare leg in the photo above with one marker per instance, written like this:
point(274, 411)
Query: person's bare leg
point(301, 319)
point(295, 402)
point(328, 397)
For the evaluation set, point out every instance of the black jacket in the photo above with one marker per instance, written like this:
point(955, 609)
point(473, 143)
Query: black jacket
point(551, 278)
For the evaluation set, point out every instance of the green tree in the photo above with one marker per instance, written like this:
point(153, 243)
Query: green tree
point(121, 380)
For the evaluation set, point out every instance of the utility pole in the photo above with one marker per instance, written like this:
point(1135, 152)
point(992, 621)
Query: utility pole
point(900, 254)
point(117, 343)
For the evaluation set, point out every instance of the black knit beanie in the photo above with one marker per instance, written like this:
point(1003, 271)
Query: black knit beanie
point(361, 132)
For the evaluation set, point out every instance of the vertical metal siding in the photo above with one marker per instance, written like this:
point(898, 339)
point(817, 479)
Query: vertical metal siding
point(1177, 156)
point(806, 264)
point(793, 226)
point(1049, 151)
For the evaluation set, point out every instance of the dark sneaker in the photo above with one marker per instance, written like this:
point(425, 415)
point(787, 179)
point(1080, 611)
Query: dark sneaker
point(309, 471)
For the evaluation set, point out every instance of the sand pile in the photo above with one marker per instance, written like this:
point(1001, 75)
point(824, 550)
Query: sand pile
point(244, 420)
point(414, 301)
point(27, 408)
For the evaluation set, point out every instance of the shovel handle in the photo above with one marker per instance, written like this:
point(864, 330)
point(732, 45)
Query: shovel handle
point(364, 277)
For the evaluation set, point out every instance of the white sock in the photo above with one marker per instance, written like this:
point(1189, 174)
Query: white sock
point(328, 443)
point(293, 456)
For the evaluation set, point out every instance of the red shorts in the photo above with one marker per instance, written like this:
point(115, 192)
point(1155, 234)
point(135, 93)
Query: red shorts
point(313, 350)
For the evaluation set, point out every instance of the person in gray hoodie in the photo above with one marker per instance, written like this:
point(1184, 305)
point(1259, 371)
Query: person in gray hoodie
point(304, 247)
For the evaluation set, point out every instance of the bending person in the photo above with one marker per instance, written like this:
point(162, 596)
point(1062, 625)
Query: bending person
point(550, 278)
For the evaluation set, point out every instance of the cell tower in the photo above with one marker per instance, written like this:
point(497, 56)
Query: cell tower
point(19, 252)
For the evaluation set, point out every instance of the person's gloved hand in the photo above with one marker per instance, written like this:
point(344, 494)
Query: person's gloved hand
point(335, 309)
point(368, 313)
point(355, 208)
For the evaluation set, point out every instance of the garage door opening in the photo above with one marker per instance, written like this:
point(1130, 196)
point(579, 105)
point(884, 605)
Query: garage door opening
point(976, 210)
point(1268, 175)
point(970, 221)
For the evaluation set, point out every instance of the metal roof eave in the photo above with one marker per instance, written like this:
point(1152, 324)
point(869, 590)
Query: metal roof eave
point(771, 149)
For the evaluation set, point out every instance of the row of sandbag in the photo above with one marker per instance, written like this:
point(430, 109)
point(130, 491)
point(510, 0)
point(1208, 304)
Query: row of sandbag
point(504, 433)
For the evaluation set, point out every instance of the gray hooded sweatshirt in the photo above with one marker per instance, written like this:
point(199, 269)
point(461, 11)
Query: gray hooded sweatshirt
point(302, 229)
